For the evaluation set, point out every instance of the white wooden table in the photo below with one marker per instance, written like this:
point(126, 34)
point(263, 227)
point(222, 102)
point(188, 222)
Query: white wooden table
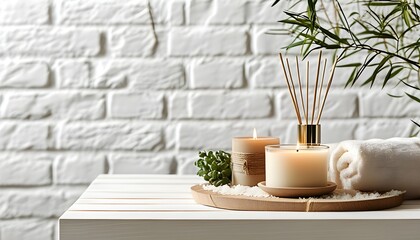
point(128, 207)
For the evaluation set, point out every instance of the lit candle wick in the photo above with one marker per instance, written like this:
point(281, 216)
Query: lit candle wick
point(254, 135)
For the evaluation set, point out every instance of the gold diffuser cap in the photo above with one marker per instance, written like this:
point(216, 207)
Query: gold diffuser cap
point(309, 134)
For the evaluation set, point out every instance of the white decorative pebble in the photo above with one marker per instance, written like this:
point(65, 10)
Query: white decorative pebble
point(257, 192)
point(237, 190)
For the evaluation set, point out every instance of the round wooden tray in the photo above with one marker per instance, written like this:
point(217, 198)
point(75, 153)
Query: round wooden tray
point(245, 203)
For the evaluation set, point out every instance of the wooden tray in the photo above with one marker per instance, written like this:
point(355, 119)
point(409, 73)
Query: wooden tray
point(244, 203)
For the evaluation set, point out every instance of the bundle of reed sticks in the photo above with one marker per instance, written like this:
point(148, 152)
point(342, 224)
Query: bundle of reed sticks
point(317, 106)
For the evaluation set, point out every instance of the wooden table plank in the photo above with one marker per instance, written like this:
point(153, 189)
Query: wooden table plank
point(136, 201)
point(180, 188)
point(149, 181)
point(133, 207)
point(112, 195)
point(148, 176)
point(139, 207)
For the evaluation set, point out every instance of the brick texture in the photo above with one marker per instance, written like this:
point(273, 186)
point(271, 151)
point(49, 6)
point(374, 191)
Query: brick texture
point(18, 170)
point(139, 86)
point(23, 75)
point(216, 74)
point(144, 105)
point(24, 12)
point(199, 41)
point(52, 41)
point(107, 12)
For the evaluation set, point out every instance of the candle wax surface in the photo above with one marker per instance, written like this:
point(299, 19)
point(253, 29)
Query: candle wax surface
point(287, 167)
point(252, 145)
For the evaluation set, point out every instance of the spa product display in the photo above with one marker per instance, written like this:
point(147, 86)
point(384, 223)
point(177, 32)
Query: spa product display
point(271, 176)
point(378, 165)
point(376, 174)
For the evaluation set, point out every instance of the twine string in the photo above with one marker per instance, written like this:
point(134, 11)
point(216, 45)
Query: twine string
point(248, 163)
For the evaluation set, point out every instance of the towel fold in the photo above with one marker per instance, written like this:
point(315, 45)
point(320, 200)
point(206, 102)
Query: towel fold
point(378, 165)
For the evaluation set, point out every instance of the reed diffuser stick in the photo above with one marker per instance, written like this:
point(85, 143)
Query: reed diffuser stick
point(328, 89)
point(316, 86)
point(307, 91)
point(294, 91)
point(322, 84)
point(288, 86)
point(300, 87)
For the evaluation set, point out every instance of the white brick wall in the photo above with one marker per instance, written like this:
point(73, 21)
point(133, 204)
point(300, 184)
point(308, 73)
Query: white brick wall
point(90, 87)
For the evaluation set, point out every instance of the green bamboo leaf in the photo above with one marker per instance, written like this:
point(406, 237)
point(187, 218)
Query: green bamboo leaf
point(418, 125)
point(377, 34)
point(364, 65)
point(413, 97)
point(395, 73)
point(388, 76)
point(295, 44)
point(333, 36)
point(310, 51)
point(381, 3)
point(406, 17)
point(275, 2)
point(412, 45)
point(394, 96)
point(393, 31)
point(292, 13)
point(410, 86)
point(397, 9)
point(305, 51)
point(372, 78)
point(417, 6)
point(377, 70)
point(298, 37)
point(374, 15)
point(349, 65)
point(384, 43)
point(351, 77)
point(407, 30)
point(364, 25)
point(294, 22)
point(332, 46)
point(351, 53)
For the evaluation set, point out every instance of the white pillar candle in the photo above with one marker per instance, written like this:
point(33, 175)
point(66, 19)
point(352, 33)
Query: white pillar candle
point(292, 166)
point(252, 150)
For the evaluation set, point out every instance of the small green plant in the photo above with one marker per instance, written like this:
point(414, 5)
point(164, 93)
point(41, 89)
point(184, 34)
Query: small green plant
point(214, 167)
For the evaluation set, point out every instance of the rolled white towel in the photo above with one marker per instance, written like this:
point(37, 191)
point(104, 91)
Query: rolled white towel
point(378, 165)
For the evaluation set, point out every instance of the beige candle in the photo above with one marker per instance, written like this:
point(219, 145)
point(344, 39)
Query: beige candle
point(248, 159)
point(292, 166)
